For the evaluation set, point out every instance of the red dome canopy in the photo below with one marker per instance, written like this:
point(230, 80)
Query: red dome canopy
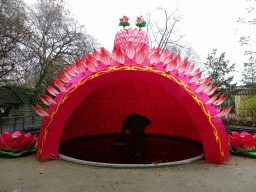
point(97, 100)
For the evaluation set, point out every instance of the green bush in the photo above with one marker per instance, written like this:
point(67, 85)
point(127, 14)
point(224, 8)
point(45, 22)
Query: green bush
point(248, 107)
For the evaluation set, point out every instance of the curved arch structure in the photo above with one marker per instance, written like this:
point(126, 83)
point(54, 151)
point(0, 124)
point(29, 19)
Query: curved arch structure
point(97, 102)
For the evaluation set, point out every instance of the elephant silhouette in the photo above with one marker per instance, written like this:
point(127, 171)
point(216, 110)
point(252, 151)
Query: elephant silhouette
point(134, 148)
point(135, 123)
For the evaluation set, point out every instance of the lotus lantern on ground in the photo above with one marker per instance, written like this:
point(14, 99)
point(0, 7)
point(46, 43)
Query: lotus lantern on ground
point(243, 143)
point(15, 144)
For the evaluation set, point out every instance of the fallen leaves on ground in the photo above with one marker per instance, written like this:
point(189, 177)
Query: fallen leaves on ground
point(158, 174)
point(39, 169)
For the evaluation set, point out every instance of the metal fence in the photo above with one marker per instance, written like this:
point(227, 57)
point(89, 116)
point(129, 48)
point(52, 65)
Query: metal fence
point(234, 116)
point(17, 123)
point(228, 103)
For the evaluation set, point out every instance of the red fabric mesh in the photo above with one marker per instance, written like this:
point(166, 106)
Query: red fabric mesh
point(104, 110)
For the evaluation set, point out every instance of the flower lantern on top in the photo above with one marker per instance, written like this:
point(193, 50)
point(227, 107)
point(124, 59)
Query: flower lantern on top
point(124, 22)
point(140, 22)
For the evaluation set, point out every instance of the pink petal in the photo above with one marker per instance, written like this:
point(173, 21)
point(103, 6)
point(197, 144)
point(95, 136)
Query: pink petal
point(196, 72)
point(212, 99)
point(172, 65)
point(70, 71)
point(28, 134)
point(59, 85)
point(78, 67)
point(121, 49)
point(91, 65)
point(130, 51)
point(66, 75)
point(139, 46)
point(221, 101)
point(120, 57)
point(223, 113)
point(189, 70)
point(92, 60)
point(140, 56)
point(201, 87)
point(178, 60)
point(63, 78)
point(228, 110)
point(74, 70)
point(213, 90)
point(195, 78)
point(208, 88)
point(96, 55)
point(43, 111)
point(51, 90)
point(151, 52)
point(168, 60)
point(38, 112)
point(183, 67)
point(216, 102)
point(163, 56)
point(104, 57)
point(154, 58)
point(44, 101)
point(207, 79)
point(82, 63)
point(49, 99)
point(16, 133)
point(244, 133)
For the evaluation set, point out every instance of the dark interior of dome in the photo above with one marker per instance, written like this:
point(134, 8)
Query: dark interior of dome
point(96, 123)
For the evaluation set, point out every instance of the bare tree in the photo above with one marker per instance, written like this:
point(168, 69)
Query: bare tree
point(59, 40)
point(13, 31)
point(168, 36)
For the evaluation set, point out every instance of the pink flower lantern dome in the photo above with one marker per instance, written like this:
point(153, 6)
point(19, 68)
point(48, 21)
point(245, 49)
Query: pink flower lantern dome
point(99, 91)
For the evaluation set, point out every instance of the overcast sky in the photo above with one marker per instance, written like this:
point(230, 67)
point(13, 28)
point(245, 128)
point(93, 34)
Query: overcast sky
point(206, 24)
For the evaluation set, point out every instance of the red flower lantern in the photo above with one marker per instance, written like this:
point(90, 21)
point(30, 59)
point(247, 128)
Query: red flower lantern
point(243, 143)
point(17, 143)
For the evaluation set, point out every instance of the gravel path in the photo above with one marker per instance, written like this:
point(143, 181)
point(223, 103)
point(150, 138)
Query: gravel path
point(30, 175)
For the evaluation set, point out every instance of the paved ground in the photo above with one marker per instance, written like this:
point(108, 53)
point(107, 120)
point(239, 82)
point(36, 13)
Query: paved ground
point(30, 175)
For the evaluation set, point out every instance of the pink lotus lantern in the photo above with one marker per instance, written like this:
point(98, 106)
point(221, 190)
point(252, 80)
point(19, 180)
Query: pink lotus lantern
point(17, 143)
point(243, 143)
point(140, 22)
point(124, 22)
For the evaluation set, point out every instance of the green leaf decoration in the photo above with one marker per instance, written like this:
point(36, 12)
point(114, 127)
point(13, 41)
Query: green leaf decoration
point(13, 154)
point(124, 24)
point(242, 152)
point(141, 24)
